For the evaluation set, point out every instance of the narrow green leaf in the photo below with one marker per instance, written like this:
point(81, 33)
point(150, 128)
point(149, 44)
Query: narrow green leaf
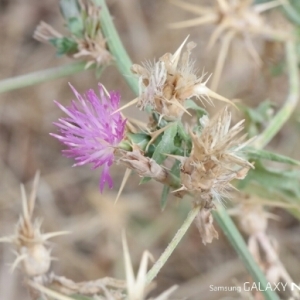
point(76, 26)
point(166, 145)
point(175, 171)
point(254, 153)
point(292, 11)
point(275, 186)
point(284, 182)
point(290, 203)
point(64, 45)
point(257, 118)
point(139, 139)
point(200, 111)
point(182, 133)
point(69, 8)
point(290, 103)
point(164, 197)
point(145, 180)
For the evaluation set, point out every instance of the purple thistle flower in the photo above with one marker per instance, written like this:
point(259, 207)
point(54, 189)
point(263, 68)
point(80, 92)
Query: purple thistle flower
point(91, 131)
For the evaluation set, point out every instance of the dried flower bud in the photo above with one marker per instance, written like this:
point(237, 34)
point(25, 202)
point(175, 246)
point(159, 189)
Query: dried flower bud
point(166, 84)
point(215, 159)
point(204, 222)
point(144, 166)
point(37, 261)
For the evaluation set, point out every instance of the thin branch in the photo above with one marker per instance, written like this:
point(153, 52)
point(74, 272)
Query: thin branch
point(173, 244)
point(221, 59)
point(116, 47)
point(291, 102)
point(40, 76)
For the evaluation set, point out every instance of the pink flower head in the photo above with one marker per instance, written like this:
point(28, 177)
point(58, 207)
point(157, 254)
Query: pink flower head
point(91, 131)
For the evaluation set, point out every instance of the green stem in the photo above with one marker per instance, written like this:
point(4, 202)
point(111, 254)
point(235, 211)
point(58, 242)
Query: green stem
point(238, 243)
point(40, 76)
point(173, 244)
point(116, 47)
point(287, 109)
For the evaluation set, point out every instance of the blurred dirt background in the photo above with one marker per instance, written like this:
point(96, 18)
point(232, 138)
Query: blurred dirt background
point(69, 198)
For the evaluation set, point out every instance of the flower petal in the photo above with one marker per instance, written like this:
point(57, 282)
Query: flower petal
point(90, 131)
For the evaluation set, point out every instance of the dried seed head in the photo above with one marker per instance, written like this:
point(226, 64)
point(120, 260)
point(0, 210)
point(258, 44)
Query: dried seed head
point(167, 83)
point(86, 40)
point(215, 159)
point(92, 45)
point(29, 241)
point(94, 50)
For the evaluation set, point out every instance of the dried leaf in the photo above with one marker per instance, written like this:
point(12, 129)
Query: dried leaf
point(204, 221)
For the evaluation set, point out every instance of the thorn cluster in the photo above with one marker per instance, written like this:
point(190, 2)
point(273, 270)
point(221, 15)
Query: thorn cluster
point(165, 85)
point(31, 244)
point(216, 158)
point(233, 19)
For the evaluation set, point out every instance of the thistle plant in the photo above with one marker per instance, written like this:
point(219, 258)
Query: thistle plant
point(212, 156)
point(204, 159)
